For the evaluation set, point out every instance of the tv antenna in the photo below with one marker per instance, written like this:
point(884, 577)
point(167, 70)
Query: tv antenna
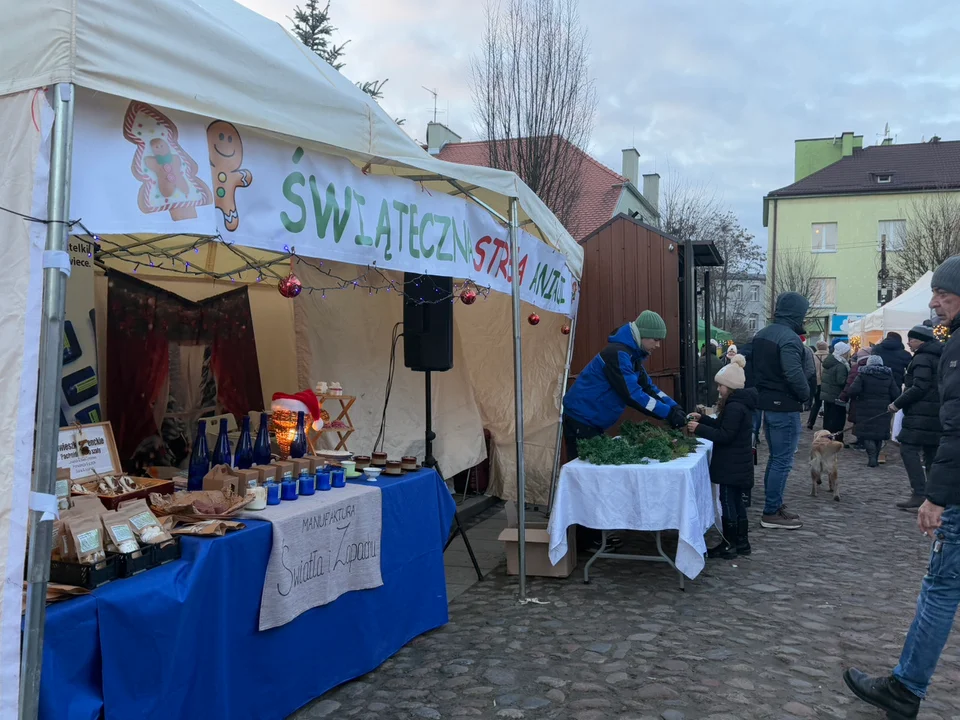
point(433, 92)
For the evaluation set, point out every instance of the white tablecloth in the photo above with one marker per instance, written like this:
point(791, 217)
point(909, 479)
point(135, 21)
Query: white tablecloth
point(660, 496)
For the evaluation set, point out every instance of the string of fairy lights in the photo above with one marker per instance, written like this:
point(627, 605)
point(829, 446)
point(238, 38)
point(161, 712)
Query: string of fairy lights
point(166, 253)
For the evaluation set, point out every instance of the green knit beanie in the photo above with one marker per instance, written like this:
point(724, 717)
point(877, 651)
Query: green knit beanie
point(651, 325)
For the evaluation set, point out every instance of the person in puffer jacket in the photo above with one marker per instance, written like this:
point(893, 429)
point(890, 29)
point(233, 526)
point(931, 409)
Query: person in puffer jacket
point(920, 403)
point(894, 355)
point(614, 380)
point(784, 388)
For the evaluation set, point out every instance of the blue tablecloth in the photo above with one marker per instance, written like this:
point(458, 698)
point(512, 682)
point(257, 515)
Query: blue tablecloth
point(181, 641)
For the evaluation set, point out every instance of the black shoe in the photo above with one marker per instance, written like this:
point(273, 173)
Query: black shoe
point(886, 693)
point(743, 537)
point(726, 550)
point(914, 502)
point(872, 462)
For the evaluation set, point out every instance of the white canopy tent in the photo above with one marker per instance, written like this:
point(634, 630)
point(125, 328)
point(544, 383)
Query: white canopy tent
point(210, 59)
point(908, 309)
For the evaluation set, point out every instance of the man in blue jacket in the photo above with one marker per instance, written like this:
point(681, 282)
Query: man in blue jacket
point(615, 379)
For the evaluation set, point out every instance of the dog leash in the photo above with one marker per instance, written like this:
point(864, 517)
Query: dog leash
point(853, 425)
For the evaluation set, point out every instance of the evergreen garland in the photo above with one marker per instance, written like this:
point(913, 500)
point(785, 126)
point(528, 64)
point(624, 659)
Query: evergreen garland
point(638, 444)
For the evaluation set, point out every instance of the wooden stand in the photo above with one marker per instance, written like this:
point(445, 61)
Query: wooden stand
point(346, 402)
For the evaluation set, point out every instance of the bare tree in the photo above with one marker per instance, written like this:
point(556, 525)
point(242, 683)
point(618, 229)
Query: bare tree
point(932, 234)
point(695, 212)
point(688, 211)
point(798, 271)
point(534, 97)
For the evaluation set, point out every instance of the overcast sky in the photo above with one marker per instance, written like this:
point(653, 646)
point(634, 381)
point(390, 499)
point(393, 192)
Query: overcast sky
point(714, 91)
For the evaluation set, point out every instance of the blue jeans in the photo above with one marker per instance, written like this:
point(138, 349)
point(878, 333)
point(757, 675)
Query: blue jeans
point(783, 434)
point(936, 607)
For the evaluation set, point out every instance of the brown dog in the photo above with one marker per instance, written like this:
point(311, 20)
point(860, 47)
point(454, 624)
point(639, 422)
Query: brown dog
point(823, 458)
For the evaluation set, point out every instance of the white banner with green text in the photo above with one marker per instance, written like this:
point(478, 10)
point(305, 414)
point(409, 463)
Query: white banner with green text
point(144, 170)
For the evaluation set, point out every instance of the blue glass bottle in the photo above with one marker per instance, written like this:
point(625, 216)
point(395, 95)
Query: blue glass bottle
point(221, 451)
point(298, 448)
point(261, 449)
point(244, 456)
point(199, 459)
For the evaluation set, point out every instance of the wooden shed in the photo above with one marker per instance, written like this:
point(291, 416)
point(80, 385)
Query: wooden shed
point(629, 267)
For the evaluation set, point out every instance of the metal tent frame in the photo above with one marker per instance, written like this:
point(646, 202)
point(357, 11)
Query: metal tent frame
point(43, 481)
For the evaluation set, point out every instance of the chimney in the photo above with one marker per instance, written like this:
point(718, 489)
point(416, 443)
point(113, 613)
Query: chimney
point(439, 135)
point(651, 190)
point(631, 166)
point(846, 144)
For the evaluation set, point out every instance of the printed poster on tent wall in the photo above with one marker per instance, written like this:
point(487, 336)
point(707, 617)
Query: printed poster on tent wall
point(143, 170)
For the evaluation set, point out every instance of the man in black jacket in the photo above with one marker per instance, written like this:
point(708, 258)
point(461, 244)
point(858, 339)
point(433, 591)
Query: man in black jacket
point(900, 693)
point(920, 403)
point(894, 356)
point(784, 387)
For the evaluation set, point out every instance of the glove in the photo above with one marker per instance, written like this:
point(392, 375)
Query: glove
point(807, 405)
point(677, 417)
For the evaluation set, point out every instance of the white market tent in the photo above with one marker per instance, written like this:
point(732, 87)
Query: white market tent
point(216, 59)
point(908, 309)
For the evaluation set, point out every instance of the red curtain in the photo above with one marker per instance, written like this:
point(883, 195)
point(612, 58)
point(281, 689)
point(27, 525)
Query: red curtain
point(233, 354)
point(143, 321)
point(138, 360)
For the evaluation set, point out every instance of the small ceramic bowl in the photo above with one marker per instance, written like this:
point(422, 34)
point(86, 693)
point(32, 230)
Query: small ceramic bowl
point(372, 473)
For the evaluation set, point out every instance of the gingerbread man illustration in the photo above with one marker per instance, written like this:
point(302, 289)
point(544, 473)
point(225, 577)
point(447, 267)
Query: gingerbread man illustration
point(226, 156)
point(167, 167)
point(167, 173)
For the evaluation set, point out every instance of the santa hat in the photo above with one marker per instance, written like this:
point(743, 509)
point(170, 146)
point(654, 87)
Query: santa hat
point(732, 375)
point(304, 401)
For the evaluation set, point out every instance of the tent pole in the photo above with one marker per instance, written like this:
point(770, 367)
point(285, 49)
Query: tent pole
point(48, 401)
point(563, 390)
point(518, 396)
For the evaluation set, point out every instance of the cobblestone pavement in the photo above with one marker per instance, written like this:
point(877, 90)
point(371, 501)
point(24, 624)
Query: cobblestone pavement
point(761, 637)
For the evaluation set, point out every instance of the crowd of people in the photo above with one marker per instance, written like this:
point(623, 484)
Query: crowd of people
point(768, 384)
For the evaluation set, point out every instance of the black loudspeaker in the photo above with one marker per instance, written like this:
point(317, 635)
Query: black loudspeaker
point(427, 322)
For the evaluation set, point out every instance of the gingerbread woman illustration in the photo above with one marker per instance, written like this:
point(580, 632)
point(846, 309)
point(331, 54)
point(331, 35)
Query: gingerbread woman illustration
point(226, 156)
point(167, 173)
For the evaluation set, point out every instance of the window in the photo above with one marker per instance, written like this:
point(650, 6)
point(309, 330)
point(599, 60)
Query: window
point(752, 322)
point(824, 237)
point(884, 179)
point(755, 293)
point(895, 232)
point(736, 292)
point(823, 292)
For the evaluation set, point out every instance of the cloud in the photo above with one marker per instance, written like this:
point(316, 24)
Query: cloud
point(717, 91)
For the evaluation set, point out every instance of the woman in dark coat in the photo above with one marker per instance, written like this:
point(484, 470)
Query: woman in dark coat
point(920, 402)
point(731, 466)
point(874, 391)
point(858, 361)
point(832, 382)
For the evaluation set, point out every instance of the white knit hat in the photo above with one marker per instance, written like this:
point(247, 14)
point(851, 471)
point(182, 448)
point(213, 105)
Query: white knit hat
point(732, 375)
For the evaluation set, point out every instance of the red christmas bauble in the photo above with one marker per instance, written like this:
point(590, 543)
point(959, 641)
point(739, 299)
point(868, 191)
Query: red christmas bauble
point(468, 297)
point(290, 286)
point(565, 329)
point(534, 319)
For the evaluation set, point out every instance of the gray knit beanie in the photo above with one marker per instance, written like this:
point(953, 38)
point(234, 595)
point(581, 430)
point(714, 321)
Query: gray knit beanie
point(921, 332)
point(947, 276)
point(873, 360)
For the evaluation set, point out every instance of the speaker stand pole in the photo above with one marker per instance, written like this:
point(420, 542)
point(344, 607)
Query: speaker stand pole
point(431, 462)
